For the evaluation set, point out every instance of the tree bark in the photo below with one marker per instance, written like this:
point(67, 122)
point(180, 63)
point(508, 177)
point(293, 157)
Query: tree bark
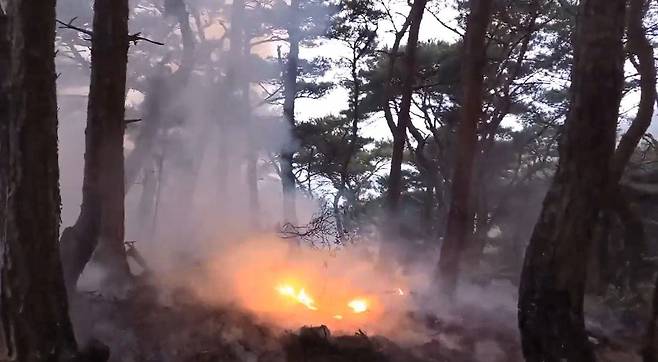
point(476, 242)
point(146, 208)
point(460, 218)
point(222, 163)
point(240, 53)
point(352, 134)
point(429, 174)
point(102, 211)
point(404, 116)
point(251, 151)
point(4, 106)
point(107, 108)
point(4, 134)
point(639, 46)
point(634, 238)
point(395, 176)
point(33, 305)
point(599, 274)
point(290, 94)
point(252, 165)
point(650, 350)
point(615, 201)
point(503, 105)
point(552, 287)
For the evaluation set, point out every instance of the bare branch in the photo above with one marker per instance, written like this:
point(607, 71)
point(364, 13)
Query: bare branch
point(70, 25)
point(134, 38)
point(321, 230)
point(436, 17)
point(271, 39)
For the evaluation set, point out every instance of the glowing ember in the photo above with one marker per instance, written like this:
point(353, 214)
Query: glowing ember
point(338, 316)
point(358, 305)
point(286, 290)
point(300, 296)
point(306, 300)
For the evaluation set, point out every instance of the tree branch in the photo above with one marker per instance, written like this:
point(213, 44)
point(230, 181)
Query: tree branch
point(134, 38)
point(70, 25)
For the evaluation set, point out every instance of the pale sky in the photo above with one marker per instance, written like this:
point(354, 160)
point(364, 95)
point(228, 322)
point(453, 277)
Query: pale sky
point(337, 99)
point(431, 29)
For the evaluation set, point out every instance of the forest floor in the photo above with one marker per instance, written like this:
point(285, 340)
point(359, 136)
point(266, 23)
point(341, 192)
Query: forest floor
point(142, 327)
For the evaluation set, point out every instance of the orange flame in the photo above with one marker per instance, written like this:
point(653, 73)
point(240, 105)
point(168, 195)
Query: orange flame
point(305, 286)
point(358, 305)
point(299, 296)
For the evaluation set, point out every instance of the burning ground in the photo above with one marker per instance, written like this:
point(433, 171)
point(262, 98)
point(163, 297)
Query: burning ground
point(291, 286)
point(266, 299)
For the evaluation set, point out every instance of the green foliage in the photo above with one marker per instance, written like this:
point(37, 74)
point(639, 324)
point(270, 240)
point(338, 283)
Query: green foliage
point(323, 150)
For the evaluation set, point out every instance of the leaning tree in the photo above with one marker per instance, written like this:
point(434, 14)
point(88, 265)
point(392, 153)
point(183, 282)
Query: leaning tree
point(551, 292)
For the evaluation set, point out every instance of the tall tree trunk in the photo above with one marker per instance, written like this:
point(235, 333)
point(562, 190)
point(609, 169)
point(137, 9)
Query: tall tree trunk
point(4, 134)
point(394, 191)
point(428, 206)
point(4, 106)
point(252, 165)
point(639, 46)
point(236, 36)
point(552, 287)
point(352, 140)
point(107, 98)
point(33, 305)
point(404, 117)
point(615, 202)
point(102, 211)
point(634, 239)
point(392, 227)
point(459, 225)
point(251, 151)
point(146, 207)
point(599, 274)
point(222, 163)
point(650, 350)
point(477, 241)
point(162, 91)
point(503, 106)
point(241, 54)
point(429, 174)
point(337, 214)
point(395, 177)
point(290, 94)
